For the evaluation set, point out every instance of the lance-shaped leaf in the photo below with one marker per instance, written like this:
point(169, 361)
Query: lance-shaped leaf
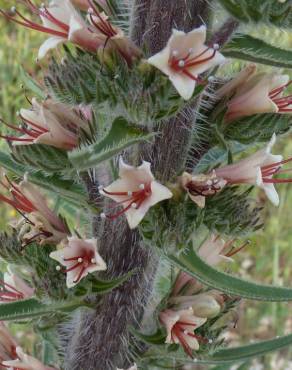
point(42, 157)
point(157, 338)
point(251, 49)
point(31, 84)
point(191, 263)
point(222, 356)
point(100, 286)
point(259, 127)
point(30, 308)
point(269, 11)
point(65, 188)
point(120, 137)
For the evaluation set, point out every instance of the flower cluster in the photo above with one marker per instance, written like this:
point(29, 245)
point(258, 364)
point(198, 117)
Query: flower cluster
point(62, 22)
point(190, 305)
point(39, 223)
point(51, 123)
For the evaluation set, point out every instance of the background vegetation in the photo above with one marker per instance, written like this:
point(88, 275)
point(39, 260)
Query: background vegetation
point(268, 259)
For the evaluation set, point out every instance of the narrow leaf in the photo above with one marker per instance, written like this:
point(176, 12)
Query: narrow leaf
point(121, 136)
point(191, 263)
point(29, 308)
point(31, 84)
point(228, 355)
point(102, 286)
point(259, 127)
point(156, 338)
point(251, 49)
point(43, 157)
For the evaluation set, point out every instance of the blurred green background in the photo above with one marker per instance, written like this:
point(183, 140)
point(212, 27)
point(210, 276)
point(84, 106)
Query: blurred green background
point(268, 259)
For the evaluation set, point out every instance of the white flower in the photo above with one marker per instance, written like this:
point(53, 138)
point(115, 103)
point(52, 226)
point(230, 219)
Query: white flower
point(80, 258)
point(43, 220)
point(51, 123)
point(25, 362)
point(214, 250)
point(258, 169)
point(136, 190)
point(180, 326)
point(240, 79)
point(261, 93)
point(185, 57)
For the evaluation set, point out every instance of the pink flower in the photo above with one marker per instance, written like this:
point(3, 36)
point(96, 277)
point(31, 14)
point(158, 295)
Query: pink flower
point(13, 288)
point(231, 86)
point(24, 362)
point(185, 284)
point(200, 186)
point(261, 93)
point(136, 191)
point(258, 169)
point(114, 38)
point(41, 224)
point(50, 123)
point(80, 258)
point(185, 57)
point(62, 22)
point(180, 326)
point(215, 250)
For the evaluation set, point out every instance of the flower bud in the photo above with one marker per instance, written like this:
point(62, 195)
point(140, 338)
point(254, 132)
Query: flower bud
point(204, 305)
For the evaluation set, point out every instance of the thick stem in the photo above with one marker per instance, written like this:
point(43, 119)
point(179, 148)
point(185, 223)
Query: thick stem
point(100, 340)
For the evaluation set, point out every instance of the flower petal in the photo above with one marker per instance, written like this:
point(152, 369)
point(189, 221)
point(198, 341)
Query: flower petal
point(184, 85)
point(49, 44)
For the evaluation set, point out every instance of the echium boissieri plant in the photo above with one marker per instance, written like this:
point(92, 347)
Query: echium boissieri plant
point(131, 171)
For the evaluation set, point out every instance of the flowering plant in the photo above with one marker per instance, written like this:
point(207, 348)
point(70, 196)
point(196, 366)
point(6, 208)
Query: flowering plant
point(130, 177)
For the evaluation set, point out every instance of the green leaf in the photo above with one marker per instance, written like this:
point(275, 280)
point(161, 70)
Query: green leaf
point(251, 49)
point(259, 11)
point(222, 356)
point(29, 308)
point(258, 128)
point(31, 84)
point(43, 157)
point(104, 286)
point(66, 188)
point(191, 263)
point(156, 338)
point(120, 136)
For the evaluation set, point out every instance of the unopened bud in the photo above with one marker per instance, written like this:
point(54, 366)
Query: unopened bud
point(206, 306)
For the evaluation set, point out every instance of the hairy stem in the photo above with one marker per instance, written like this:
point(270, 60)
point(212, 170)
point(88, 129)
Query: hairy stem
point(100, 339)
